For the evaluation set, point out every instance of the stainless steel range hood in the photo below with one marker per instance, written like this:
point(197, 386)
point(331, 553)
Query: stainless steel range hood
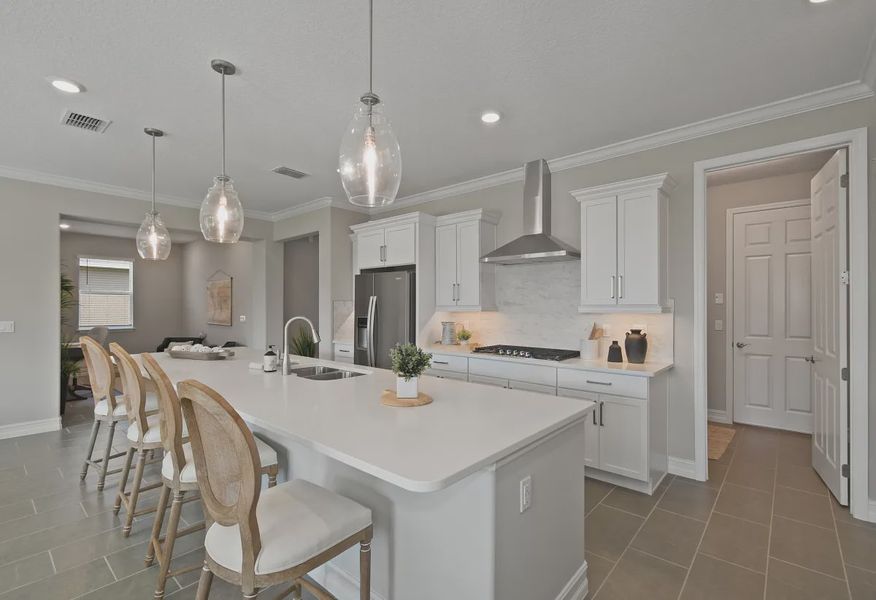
point(536, 244)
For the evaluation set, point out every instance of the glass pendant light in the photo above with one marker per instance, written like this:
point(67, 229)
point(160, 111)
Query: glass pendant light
point(221, 211)
point(153, 239)
point(370, 158)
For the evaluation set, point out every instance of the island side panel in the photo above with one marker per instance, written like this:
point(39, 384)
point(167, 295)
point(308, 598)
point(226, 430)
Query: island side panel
point(540, 551)
point(428, 546)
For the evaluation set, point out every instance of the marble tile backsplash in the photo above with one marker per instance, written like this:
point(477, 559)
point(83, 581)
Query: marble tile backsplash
point(342, 320)
point(538, 306)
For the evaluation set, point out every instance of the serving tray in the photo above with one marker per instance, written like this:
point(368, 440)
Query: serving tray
point(200, 355)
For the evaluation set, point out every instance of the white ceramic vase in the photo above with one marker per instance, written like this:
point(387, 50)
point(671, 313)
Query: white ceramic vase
point(406, 389)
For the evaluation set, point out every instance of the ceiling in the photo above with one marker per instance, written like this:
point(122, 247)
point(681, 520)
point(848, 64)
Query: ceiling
point(567, 76)
point(91, 227)
point(801, 163)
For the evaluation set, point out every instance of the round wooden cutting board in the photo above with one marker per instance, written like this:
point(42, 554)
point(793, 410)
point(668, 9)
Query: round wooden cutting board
point(389, 398)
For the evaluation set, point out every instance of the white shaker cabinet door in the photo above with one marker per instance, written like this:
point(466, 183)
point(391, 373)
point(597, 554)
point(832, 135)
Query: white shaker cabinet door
point(591, 436)
point(468, 267)
point(401, 245)
point(623, 436)
point(445, 265)
point(638, 250)
point(369, 249)
point(599, 252)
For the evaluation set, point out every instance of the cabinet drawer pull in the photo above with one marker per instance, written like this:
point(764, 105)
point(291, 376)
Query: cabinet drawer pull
point(344, 351)
point(599, 382)
point(440, 362)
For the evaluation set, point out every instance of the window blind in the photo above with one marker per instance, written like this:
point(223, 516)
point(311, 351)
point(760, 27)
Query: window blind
point(105, 293)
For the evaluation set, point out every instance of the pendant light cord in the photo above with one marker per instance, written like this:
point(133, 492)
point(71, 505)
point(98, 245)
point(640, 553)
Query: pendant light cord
point(153, 175)
point(370, 46)
point(223, 122)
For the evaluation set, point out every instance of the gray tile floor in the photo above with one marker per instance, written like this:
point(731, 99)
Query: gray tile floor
point(762, 527)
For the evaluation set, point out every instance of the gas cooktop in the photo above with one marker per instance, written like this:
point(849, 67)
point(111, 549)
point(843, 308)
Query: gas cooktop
point(529, 352)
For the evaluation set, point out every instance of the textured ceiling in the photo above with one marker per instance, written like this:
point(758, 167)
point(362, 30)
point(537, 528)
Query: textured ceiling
point(568, 76)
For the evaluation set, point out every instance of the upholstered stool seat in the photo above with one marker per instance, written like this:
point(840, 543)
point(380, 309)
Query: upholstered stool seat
point(267, 457)
point(120, 411)
point(297, 521)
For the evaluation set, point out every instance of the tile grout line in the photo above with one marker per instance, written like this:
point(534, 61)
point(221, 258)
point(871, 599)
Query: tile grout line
point(766, 574)
point(709, 520)
point(629, 544)
point(840, 546)
point(110, 567)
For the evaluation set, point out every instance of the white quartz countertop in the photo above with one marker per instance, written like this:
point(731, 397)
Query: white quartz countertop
point(646, 369)
point(423, 449)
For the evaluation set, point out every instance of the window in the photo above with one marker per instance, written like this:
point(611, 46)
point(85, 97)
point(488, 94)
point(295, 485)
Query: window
point(106, 293)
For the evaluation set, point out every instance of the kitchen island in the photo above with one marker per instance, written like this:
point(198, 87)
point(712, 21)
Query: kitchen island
point(444, 481)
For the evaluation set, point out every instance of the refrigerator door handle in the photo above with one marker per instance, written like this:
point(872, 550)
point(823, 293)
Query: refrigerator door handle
point(372, 306)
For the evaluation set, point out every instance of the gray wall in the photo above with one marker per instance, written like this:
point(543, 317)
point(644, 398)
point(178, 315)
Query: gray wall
point(783, 188)
point(157, 288)
point(201, 260)
point(301, 278)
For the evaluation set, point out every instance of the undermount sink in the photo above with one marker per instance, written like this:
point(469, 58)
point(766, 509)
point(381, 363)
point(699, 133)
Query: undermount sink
point(332, 375)
point(315, 370)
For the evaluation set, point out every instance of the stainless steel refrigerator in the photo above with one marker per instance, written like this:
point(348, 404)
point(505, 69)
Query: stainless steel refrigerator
point(385, 301)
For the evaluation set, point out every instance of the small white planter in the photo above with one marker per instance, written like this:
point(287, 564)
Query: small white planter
point(406, 389)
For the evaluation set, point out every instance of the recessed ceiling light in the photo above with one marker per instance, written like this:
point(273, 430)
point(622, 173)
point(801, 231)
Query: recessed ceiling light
point(64, 225)
point(66, 85)
point(490, 117)
point(817, 1)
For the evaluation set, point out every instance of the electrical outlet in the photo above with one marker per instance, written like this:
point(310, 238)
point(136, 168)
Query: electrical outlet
point(719, 325)
point(525, 493)
point(7, 326)
point(719, 297)
point(243, 318)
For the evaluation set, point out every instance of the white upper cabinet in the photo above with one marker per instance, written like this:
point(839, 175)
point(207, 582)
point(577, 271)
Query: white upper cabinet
point(462, 281)
point(623, 245)
point(386, 243)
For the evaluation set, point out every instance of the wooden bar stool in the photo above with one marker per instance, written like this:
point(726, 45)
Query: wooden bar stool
point(257, 539)
point(144, 435)
point(179, 476)
point(109, 407)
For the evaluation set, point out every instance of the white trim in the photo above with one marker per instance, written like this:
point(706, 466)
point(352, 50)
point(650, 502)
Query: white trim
point(719, 416)
point(856, 142)
point(30, 427)
point(319, 203)
point(84, 185)
point(477, 214)
point(868, 74)
point(413, 217)
point(729, 251)
point(662, 182)
point(871, 513)
point(683, 467)
point(577, 587)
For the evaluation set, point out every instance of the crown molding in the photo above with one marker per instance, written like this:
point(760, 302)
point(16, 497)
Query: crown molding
point(95, 187)
point(312, 205)
point(661, 183)
point(868, 75)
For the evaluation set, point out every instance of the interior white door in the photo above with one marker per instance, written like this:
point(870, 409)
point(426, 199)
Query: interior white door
point(599, 252)
point(468, 271)
point(830, 438)
point(445, 265)
point(772, 328)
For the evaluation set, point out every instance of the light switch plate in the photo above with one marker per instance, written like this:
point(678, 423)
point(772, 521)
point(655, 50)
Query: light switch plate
point(719, 297)
point(7, 326)
point(243, 318)
point(525, 493)
point(719, 325)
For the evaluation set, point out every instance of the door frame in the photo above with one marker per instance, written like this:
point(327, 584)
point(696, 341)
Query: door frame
point(856, 142)
point(729, 364)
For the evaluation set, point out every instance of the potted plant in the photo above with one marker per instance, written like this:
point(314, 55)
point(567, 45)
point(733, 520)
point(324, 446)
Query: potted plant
point(69, 363)
point(303, 344)
point(408, 363)
point(464, 336)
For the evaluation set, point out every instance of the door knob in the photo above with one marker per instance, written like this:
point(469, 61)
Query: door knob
point(810, 359)
point(741, 345)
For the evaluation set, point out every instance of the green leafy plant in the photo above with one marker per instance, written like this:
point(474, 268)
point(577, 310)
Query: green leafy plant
point(69, 366)
point(463, 335)
point(303, 344)
point(409, 361)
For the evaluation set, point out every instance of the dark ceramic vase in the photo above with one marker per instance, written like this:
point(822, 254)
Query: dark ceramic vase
point(636, 345)
point(614, 353)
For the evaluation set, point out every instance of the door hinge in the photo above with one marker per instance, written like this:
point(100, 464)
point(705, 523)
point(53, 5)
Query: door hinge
point(844, 277)
point(844, 180)
point(844, 470)
point(844, 373)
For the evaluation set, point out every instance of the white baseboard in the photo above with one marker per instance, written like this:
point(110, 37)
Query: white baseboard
point(30, 427)
point(577, 587)
point(871, 512)
point(719, 416)
point(682, 467)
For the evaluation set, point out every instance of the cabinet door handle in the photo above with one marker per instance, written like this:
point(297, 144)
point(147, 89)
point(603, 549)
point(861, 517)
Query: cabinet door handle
point(383, 254)
point(620, 286)
point(598, 382)
point(594, 416)
point(611, 288)
point(344, 351)
point(440, 362)
point(457, 291)
point(601, 421)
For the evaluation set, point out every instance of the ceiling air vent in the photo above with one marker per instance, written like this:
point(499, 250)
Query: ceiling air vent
point(88, 123)
point(289, 172)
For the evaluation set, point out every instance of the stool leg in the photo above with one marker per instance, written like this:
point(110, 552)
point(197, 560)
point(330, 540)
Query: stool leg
point(272, 475)
point(204, 583)
point(365, 570)
point(106, 456)
point(135, 492)
point(155, 538)
point(169, 541)
point(129, 457)
point(94, 429)
point(296, 591)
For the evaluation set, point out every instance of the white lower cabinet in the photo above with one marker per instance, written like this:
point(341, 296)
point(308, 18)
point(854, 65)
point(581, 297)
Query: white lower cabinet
point(487, 380)
point(623, 433)
point(343, 352)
